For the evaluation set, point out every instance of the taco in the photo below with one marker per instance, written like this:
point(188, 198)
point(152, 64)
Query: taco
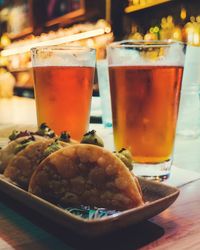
point(84, 174)
point(14, 147)
point(21, 166)
point(19, 140)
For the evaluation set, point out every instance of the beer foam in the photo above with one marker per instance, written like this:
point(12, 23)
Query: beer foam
point(127, 57)
point(63, 58)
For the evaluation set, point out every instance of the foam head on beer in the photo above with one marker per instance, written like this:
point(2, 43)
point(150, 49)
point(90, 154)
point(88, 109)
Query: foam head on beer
point(59, 56)
point(63, 80)
point(143, 54)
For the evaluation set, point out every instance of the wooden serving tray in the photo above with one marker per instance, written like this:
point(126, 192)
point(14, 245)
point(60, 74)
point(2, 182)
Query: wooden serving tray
point(158, 197)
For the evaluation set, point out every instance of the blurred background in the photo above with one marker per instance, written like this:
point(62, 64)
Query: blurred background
point(28, 23)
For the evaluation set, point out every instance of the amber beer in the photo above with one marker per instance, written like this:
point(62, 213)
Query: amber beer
point(145, 102)
point(63, 97)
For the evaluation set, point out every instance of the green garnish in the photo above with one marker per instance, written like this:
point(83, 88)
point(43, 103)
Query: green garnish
point(64, 136)
point(14, 135)
point(17, 134)
point(125, 156)
point(54, 146)
point(44, 130)
point(92, 138)
point(23, 144)
point(126, 153)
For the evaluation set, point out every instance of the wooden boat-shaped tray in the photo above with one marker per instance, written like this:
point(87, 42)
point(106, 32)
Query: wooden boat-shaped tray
point(158, 197)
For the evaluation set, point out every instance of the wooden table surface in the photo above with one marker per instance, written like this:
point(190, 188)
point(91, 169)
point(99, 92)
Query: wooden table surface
point(178, 227)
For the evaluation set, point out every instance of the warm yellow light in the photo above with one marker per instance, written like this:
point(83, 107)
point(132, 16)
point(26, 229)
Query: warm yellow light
point(156, 29)
point(192, 19)
point(176, 35)
point(107, 29)
point(196, 39)
point(198, 19)
point(183, 14)
point(56, 41)
point(151, 30)
point(148, 37)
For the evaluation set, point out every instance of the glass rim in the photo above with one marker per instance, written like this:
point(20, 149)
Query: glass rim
point(62, 48)
point(144, 43)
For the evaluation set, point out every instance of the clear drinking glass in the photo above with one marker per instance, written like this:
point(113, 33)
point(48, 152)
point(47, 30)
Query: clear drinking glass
point(145, 82)
point(104, 90)
point(63, 77)
point(188, 125)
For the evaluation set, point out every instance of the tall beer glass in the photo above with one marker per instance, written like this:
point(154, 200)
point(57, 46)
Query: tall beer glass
point(63, 79)
point(145, 83)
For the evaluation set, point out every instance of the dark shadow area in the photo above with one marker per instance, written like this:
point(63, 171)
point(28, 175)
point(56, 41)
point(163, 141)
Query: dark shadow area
point(132, 237)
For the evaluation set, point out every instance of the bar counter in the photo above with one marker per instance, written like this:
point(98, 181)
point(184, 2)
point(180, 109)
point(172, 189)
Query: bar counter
point(178, 227)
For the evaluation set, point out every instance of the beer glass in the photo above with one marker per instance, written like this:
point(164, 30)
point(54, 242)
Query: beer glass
point(63, 79)
point(145, 83)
